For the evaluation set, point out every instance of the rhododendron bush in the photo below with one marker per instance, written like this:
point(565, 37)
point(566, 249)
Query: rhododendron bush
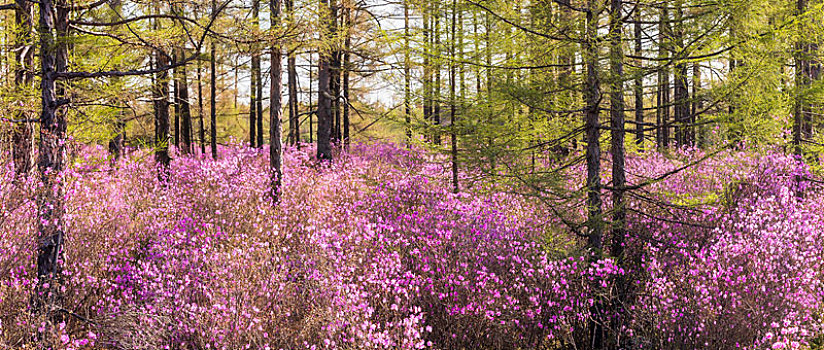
point(372, 251)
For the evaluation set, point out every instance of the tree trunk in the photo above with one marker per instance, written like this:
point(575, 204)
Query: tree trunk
point(663, 81)
point(324, 151)
point(47, 294)
point(201, 130)
point(22, 136)
point(592, 97)
point(292, 82)
point(253, 77)
point(619, 214)
point(213, 91)
point(275, 107)
point(453, 101)
point(182, 87)
point(407, 77)
point(334, 82)
point(427, 67)
point(346, 62)
point(682, 109)
point(639, 83)
point(259, 96)
point(698, 131)
point(161, 109)
point(436, 94)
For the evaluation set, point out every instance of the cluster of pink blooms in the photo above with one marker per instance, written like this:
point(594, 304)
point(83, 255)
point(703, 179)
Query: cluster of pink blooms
point(373, 251)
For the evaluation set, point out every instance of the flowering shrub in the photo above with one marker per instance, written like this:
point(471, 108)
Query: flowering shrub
point(373, 251)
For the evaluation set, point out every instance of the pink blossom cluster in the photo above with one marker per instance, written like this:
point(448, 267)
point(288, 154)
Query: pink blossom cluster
point(373, 251)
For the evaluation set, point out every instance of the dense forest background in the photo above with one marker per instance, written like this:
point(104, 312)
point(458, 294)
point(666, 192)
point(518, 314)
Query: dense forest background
point(411, 174)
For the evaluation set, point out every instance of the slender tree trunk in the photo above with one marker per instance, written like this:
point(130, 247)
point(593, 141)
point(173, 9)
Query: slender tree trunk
point(639, 82)
point(801, 81)
point(324, 94)
point(253, 77)
point(161, 109)
point(259, 101)
point(335, 70)
point(681, 88)
point(436, 100)
point(47, 294)
point(22, 136)
point(292, 82)
point(592, 97)
point(294, 121)
point(202, 130)
point(452, 98)
point(312, 108)
point(407, 77)
point(213, 90)
point(176, 101)
point(275, 107)
point(427, 67)
point(619, 214)
point(182, 85)
point(346, 62)
point(663, 80)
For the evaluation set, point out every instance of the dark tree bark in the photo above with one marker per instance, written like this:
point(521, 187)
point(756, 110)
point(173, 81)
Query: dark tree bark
point(592, 127)
point(619, 214)
point(663, 81)
point(294, 121)
point(312, 108)
point(22, 135)
point(259, 101)
point(436, 94)
point(213, 90)
point(346, 71)
point(335, 71)
point(54, 26)
point(116, 142)
point(453, 101)
point(161, 109)
point(275, 107)
point(638, 84)
point(176, 103)
point(253, 87)
point(407, 75)
point(201, 127)
point(592, 97)
point(182, 87)
point(292, 82)
point(427, 66)
point(324, 109)
point(682, 103)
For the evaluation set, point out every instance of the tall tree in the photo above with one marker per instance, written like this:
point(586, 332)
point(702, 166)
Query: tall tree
point(663, 108)
point(347, 48)
point(324, 110)
point(182, 102)
point(254, 78)
point(275, 107)
point(51, 163)
point(407, 74)
point(638, 83)
point(292, 83)
point(616, 111)
point(213, 88)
